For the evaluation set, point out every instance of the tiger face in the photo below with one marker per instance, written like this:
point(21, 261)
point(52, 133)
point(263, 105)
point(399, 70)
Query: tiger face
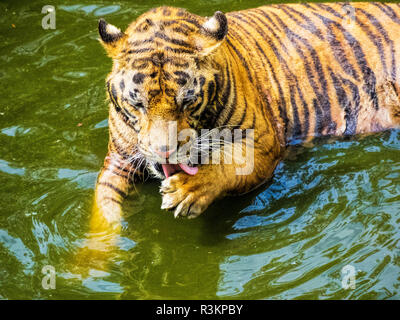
point(164, 81)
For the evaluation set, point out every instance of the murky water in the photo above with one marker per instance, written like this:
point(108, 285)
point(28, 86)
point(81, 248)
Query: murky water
point(334, 204)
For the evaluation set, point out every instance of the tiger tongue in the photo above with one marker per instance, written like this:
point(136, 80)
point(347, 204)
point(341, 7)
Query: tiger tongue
point(189, 170)
point(170, 169)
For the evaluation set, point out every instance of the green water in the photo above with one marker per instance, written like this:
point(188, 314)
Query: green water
point(334, 204)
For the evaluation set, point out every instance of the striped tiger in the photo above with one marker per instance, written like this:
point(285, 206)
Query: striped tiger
point(290, 72)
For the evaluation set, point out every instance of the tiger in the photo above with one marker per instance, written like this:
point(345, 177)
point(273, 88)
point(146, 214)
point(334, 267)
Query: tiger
point(288, 72)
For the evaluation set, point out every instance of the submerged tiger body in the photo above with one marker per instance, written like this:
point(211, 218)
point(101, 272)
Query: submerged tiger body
point(290, 72)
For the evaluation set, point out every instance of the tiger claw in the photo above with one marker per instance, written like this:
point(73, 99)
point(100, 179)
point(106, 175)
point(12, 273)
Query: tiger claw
point(185, 195)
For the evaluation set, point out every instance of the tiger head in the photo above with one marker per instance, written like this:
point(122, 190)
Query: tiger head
point(164, 79)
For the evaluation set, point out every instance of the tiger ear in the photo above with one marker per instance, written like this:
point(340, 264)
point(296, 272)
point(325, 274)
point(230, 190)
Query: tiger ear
point(212, 33)
point(110, 36)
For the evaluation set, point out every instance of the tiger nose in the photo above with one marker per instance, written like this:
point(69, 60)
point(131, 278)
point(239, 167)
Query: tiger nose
point(164, 151)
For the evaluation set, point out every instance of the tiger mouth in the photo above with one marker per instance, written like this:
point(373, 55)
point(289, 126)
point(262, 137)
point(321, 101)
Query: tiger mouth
point(168, 169)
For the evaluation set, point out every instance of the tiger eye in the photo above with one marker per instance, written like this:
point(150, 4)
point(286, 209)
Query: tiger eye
point(138, 78)
point(181, 81)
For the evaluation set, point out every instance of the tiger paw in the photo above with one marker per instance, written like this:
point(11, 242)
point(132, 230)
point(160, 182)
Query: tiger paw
point(188, 196)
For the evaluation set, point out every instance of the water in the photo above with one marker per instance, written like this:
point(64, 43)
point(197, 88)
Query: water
point(332, 204)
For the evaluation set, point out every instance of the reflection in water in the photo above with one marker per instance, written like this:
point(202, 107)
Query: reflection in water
point(99, 246)
point(329, 205)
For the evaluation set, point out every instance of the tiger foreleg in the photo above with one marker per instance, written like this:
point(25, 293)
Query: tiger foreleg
point(112, 187)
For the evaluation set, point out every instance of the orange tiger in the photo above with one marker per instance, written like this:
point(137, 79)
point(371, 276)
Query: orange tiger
point(290, 72)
